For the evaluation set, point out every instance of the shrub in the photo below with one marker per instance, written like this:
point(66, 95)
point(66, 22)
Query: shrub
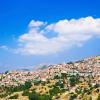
point(37, 82)
point(73, 96)
point(74, 79)
point(63, 75)
point(97, 90)
point(98, 97)
point(27, 85)
point(14, 96)
point(96, 86)
point(45, 97)
point(54, 91)
point(25, 93)
point(90, 98)
point(33, 96)
point(56, 77)
point(61, 85)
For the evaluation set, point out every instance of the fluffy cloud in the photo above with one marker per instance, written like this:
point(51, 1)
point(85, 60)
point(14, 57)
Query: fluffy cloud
point(74, 32)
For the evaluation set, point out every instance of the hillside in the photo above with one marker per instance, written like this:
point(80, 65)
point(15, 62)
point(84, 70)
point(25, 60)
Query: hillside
point(78, 80)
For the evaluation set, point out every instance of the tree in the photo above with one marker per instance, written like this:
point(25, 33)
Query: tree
point(27, 85)
point(96, 86)
point(59, 84)
point(70, 62)
point(55, 90)
point(6, 72)
point(73, 80)
point(33, 96)
point(56, 77)
point(63, 75)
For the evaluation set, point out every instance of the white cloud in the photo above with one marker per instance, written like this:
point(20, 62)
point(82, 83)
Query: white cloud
point(70, 33)
point(34, 23)
point(4, 47)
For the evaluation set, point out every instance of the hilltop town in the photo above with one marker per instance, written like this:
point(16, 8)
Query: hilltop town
point(72, 76)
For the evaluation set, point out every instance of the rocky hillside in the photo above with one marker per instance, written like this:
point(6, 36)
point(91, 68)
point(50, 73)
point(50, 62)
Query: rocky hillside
point(78, 80)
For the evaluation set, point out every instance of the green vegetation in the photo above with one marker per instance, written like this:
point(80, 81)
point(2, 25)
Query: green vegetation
point(25, 93)
point(98, 97)
point(10, 90)
point(54, 91)
point(76, 88)
point(56, 77)
point(36, 82)
point(90, 98)
point(72, 96)
point(73, 80)
point(70, 62)
point(14, 96)
point(64, 76)
point(35, 96)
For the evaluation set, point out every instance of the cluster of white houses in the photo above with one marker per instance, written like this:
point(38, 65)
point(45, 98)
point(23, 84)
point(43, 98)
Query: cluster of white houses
point(86, 67)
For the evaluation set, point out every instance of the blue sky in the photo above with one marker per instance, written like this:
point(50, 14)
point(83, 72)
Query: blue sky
point(20, 17)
